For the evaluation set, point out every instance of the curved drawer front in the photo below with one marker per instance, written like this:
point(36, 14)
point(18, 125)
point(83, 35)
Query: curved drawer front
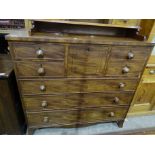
point(68, 101)
point(132, 68)
point(52, 118)
point(128, 53)
point(102, 114)
point(31, 51)
point(41, 69)
point(54, 86)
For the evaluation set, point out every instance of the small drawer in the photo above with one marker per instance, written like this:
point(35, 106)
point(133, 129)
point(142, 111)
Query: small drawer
point(96, 115)
point(41, 69)
point(52, 118)
point(55, 86)
point(28, 50)
point(125, 68)
point(126, 22)
point(130, 53)
point(86, 60)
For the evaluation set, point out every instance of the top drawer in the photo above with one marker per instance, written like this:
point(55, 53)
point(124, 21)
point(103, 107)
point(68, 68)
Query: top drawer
point(38, 51)
point(129, 52)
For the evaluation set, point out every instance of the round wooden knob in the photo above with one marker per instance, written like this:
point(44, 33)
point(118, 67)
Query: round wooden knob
point(116, 100)
point(45, 119)
point(44, 104)
point(125, 69)
point(41, 71)
point(121, 85)
point(112, 114)
point(40, 53)
point(130, 55)
point(42, 88)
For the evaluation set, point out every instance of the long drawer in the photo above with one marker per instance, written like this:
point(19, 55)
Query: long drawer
point(68, 101)
point(40, 69)
point(102, 114)
point(69, 117)
point(30, 50)
point(54, 86)
point(53, 118)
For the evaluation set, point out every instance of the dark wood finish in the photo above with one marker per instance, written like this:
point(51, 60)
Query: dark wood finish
point(71, 28)
point(120, 123)
point(76, 39)
point(71, 75)
point(71, 101)
point(29, 51)
point(54, 86)
point(131, 68)
point(11, 114)
point(101, 114)
point(122, 52)
point(86, 60)
point(53, 118)
point(31, 69)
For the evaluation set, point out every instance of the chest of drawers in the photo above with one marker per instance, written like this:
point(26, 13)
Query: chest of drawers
point(71, 82)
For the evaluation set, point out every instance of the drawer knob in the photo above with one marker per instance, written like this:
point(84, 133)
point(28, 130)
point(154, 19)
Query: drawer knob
point(130, 55)
point(44, 104)
point(152, 72)
point(112, 114)
point(116, 100)
point(40, 53)
point(42, 88)
point(121, 85)
point(125, 69)
point(41, 71)
point(45, 119)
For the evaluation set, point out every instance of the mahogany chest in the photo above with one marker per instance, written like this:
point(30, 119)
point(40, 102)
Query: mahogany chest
point(77, 80)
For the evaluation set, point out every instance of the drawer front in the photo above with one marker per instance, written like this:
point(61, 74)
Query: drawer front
point(31, 69)
point(54, 86)
point(38, 51)
point(126, 22)
point(106, 99)
point(125, 68)
point(86, 60)
point(130, 53)
point(45, 102)
point(53, 118)
point(67, 101)
point(103, 114)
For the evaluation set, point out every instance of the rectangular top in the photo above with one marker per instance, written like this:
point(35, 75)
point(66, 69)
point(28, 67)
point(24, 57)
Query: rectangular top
point(71, 38)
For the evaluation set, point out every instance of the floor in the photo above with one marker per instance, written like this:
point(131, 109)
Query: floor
point(131, 124)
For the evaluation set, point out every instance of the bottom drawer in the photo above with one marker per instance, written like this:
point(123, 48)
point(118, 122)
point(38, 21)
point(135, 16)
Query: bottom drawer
point(58, 118)
point(102, 115)
point(54, 118)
